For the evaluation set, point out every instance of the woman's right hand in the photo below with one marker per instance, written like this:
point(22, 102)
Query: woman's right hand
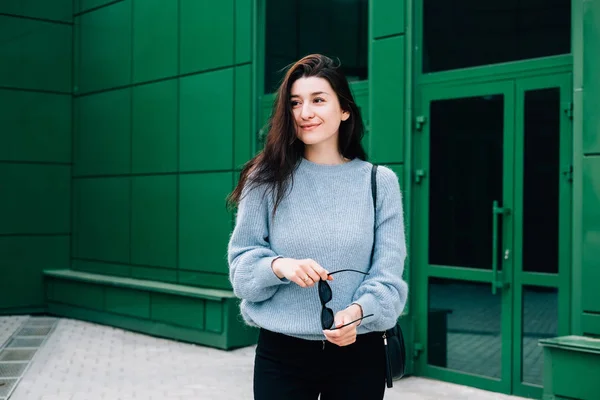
point(304, 273)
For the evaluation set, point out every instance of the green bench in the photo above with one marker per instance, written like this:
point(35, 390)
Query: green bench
point(203, 316)
point(571, 368)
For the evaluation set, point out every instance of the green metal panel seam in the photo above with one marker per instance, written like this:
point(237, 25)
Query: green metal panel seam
point(178, 148)
point(259, 69)
point(254, 100)
point(576, 270)
point(233, 95)
point(233, 87)
point(408, 102)
point(131, 69)
point(75, 52)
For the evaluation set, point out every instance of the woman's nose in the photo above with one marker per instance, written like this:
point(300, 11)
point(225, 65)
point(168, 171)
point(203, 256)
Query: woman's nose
point(307, 112)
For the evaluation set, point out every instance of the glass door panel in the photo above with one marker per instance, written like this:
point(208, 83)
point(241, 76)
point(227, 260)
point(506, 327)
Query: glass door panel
point(465, 168)
point(540, 320)
point(541, 222)
point(467, 148)
point(464, 327)
point(541, 153)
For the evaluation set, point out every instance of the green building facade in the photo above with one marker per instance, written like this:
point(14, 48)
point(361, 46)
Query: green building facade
point(124, 125)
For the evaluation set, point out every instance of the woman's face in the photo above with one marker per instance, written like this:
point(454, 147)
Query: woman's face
point(317, 112)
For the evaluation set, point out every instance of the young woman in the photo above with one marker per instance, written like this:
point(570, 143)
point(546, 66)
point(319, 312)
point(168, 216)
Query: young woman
point(305, 213)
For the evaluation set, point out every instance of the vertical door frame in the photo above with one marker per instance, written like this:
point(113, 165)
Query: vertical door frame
point(561, 280)
point(425, 271)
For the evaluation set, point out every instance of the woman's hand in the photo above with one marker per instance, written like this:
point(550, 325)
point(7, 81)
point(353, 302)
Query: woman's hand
point(346, 335)
point(304, 273)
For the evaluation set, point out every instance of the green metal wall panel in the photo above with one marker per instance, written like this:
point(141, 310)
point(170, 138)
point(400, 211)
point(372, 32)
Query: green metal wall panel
point(155, 34)
point(591, 234)
point(95, 267)
point(214, 316)
point(388, 17)
point(35, 147)
point(178, 310)
point(387, 100)
point(206, 35)
point(22, 259)
point(204, 222)
point(127, 302)
point(83, 294)
point(57, 10)
point(154, 274)
point(154, 140)
point(86, 5)
point(103, 133)
point(38, 199)
point(243, 116)
point(204, 279)
point(35, 126)
point(591, 83)
point(104, 48)
point(154, 220)
point(206, 121)
point(243, 31)
point(590, 324)
point(102, 219)
point(35, 55)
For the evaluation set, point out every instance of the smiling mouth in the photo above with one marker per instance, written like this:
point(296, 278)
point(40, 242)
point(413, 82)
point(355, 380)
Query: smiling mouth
point(309, 127)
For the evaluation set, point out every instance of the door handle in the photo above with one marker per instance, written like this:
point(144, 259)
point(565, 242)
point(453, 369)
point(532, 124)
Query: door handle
point(496, 213)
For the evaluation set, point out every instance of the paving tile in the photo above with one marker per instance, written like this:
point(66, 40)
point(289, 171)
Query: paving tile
point(85, 361)
point(8, 326)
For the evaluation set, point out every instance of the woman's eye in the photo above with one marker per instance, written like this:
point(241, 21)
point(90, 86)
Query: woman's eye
point(319, 100)
point(294, 103)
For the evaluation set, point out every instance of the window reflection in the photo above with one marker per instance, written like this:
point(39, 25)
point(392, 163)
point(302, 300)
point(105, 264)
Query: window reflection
point(541, 180)
point(295, 28)
point(466, 164)
point(540, 318)
point(464, 327)
point(467, 33)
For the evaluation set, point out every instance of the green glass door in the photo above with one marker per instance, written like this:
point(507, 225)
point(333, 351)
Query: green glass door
point(492, 198)
point(464, 208)
point(542, 227)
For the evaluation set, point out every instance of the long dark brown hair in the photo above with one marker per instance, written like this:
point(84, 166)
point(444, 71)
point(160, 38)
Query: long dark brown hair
point(282, 153)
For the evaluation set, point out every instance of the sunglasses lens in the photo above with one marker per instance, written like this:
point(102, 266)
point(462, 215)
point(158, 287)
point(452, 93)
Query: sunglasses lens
point(324, 292)
point(327, 319)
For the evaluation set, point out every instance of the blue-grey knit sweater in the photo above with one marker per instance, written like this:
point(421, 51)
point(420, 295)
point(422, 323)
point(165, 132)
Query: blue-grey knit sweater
point(327, 216)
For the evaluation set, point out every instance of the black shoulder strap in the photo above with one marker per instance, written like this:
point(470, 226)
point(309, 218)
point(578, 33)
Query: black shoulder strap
point(374, 194)
point(374, 185)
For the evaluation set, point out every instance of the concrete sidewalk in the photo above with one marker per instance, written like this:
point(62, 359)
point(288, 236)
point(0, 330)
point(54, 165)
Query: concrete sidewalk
point(83, 361)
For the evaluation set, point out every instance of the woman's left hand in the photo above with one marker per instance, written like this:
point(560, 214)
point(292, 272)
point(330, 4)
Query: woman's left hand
point(346, 335)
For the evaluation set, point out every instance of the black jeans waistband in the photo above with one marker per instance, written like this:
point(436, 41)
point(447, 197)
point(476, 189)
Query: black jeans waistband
point(286, 340)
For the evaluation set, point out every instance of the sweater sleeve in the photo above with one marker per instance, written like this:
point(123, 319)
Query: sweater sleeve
point(249, 252)
point(383, 293)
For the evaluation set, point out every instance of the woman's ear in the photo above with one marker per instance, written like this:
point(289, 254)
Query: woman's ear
point(345, 115)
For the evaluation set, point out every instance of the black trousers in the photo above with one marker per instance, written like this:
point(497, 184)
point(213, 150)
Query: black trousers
point(294, 369)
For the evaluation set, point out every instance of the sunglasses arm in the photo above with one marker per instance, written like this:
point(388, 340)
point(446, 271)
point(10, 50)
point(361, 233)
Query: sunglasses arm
point(350, 323)
point(348, 270)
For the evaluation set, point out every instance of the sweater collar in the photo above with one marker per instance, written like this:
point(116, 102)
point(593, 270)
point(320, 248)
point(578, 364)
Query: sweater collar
point(329, 168)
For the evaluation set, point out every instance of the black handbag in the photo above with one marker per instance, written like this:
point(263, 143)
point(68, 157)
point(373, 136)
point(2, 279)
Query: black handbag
point(393, 339)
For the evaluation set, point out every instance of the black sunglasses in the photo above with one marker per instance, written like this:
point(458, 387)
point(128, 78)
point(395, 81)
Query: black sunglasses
point(325, 294)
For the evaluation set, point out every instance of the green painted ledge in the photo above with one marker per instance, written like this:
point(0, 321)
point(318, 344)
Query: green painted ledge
point(571, 368)
point(117, 281)
point(197, 315)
